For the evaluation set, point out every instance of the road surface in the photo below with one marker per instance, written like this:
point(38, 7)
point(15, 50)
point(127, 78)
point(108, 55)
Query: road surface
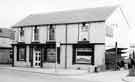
point(7, 75)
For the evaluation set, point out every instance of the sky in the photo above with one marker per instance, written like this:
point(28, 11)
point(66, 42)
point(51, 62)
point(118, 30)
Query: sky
point(13, 11)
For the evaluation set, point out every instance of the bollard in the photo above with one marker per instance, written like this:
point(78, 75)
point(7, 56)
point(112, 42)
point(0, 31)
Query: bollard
point(96, 69)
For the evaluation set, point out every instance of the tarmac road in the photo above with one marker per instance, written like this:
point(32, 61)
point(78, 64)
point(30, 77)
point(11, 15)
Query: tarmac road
point(7, 75)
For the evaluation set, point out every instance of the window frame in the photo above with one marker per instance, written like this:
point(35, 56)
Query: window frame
point(36, 33)
point(49, 35)
point(21, 34)
point(18, 53)
point(74, 57)
point(48, 56)
point(85, 51)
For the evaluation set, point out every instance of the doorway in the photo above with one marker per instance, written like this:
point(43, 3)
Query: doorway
point(36, 57)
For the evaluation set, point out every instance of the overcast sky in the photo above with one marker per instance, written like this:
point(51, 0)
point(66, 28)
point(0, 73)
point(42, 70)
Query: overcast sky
point(13, 11)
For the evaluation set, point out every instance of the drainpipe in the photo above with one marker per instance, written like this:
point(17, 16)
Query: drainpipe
point(66, 49)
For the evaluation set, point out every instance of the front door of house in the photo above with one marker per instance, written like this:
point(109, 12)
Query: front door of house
point(36, 57)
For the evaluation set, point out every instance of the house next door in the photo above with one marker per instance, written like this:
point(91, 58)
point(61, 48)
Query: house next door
point(36, 57)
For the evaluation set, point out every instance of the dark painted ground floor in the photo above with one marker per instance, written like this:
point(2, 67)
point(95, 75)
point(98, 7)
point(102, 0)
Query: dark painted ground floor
point(71, 56)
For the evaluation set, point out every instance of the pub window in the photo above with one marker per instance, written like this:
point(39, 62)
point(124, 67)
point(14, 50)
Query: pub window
point(51, 32)
point(84, 55)
point(51, 55)
point(21, 56)
point(36, 33)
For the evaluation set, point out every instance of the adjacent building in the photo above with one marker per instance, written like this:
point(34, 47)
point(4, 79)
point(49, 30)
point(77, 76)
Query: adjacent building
point(6, 38)
point(71, 39)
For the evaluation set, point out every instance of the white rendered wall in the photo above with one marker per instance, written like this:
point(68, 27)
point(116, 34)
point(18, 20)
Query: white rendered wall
point(97, 32)
point(27, 35)
point(69, 56)
point(43, 34)
point(72, 33)
point(120, 28)
point(60, 33)
point(99, 55)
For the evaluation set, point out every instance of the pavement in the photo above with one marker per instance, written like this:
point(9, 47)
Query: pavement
point(106, 76)
point(60, 72)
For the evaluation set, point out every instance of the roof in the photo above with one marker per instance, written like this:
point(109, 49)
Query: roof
point(114, 49)
point(71, 16)
point(119, 50)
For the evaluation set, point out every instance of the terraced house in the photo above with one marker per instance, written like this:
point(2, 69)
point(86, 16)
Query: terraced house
point(79, 34)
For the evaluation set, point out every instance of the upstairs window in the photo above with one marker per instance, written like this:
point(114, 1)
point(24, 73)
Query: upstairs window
point(51, 32)
point(36, 33)
point(21, 34)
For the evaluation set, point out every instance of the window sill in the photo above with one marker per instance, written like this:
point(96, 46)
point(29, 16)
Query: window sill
point(20, 60)
point(82, 63)
point(21, 42)
point(35, 41)
point(51, 41)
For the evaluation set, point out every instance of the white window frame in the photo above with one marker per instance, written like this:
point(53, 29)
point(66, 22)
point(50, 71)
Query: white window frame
point(83, 50)
point(48, 31)
point(21, 38)
point(33, 34)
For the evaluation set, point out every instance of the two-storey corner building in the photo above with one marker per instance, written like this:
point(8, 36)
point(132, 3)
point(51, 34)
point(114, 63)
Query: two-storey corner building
point(80, 33)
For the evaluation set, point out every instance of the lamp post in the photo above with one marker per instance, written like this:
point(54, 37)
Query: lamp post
point(116, 43)
point(116, 50)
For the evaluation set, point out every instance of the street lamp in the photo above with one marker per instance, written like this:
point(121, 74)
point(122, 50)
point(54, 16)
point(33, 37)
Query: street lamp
point(116, 43)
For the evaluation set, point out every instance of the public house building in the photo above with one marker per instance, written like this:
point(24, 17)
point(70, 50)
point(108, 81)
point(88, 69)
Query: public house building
point(72, 39)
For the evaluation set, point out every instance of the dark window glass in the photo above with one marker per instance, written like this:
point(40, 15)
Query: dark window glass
point(36, 33)
point(22, 32)
point(83, 55)
point(51, 55)
point(51, 33)
point(21, 54)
